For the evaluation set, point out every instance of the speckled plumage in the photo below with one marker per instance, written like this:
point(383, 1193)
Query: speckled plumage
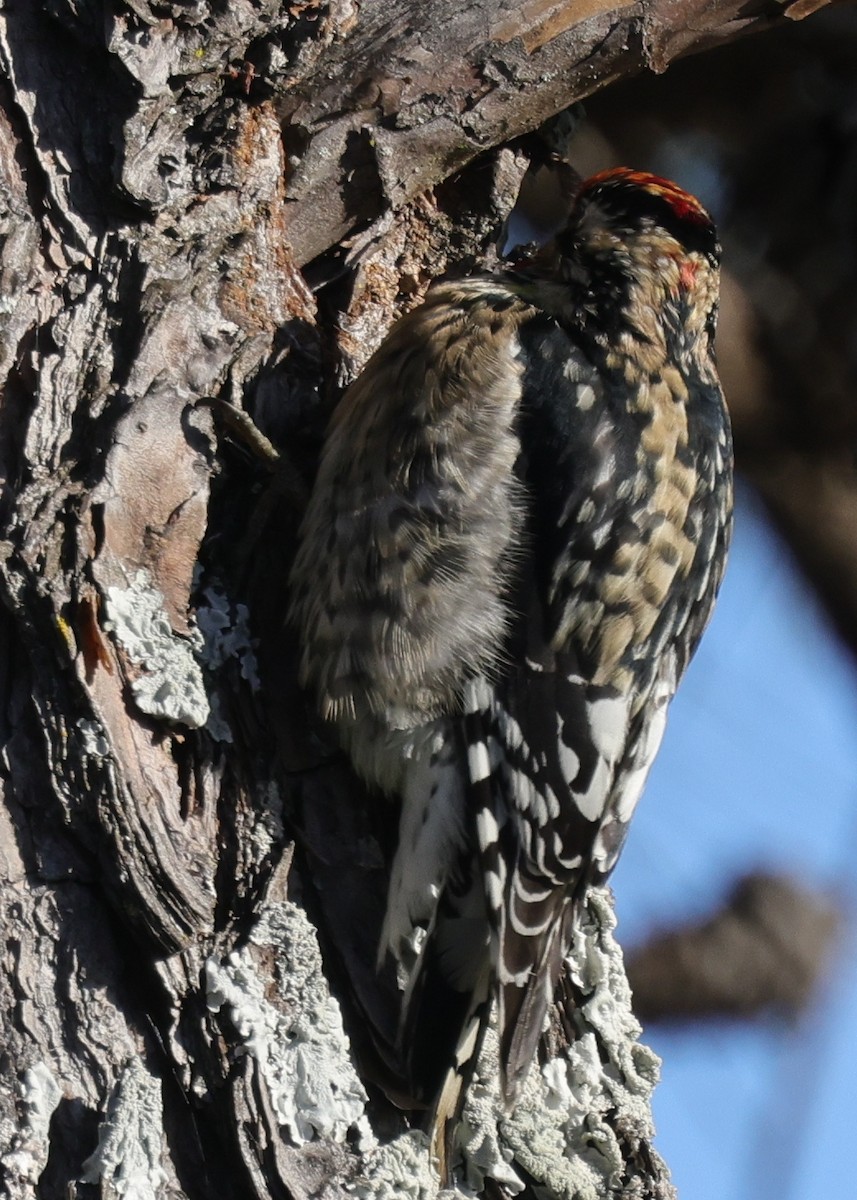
point(516, 535)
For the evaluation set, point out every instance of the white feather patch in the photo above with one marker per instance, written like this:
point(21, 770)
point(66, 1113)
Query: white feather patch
point(478, 763)
point(487, 828)
point(569, 764)
point(608, 725)
point(431, 831)
point(592, 802)
point(585, 396)
point(467, 1046)
point(494, 890)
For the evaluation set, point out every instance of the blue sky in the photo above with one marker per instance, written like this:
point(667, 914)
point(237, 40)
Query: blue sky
point(758, 769)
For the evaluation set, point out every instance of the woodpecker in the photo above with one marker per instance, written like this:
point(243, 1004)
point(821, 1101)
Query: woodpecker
point(517, 532)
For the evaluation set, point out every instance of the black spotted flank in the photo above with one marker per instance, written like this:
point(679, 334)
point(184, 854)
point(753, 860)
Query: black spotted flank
point(635, 197)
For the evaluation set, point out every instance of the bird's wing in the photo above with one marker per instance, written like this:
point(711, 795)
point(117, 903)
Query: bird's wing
point(417, 509)
point(568, 733)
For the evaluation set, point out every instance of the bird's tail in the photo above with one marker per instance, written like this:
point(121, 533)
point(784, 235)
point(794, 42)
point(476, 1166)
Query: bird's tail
point(529, 905)
point(528, 969)
point(446, 1113)
point(446, 1007)
point(500, 927)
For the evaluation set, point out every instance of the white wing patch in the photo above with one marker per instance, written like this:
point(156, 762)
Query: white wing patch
point(608, 725)
point(591, 802)
point(585, 397)
point(608, 729)
point(569, 762)
point(487, 827)
point(478, 762)
point(431, 831)
point(510, 729)
point(632, 779)
point(494, 885)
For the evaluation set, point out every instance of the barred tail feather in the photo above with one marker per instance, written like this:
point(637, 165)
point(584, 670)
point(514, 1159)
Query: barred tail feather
point(529, 880)
point(452, 1093)
point(447, 1004)
point(525, 992)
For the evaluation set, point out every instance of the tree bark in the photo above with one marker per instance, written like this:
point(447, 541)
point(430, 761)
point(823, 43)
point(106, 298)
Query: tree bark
point(192, 882)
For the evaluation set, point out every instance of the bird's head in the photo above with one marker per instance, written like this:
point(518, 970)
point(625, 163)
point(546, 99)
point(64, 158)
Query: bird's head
point(620, 207)
point(638, 254)
point(649, 245)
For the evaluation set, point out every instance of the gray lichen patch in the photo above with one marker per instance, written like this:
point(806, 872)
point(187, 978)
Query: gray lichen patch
point(24, 1150)
point(401, 1170)
point(225, 627)
point(484, 1154)
point(299, 1043)
point(566, 1128)
point(170, 686)
point(268, 832)
point(567, 1138)
point(93, 738)
point(127, 1160)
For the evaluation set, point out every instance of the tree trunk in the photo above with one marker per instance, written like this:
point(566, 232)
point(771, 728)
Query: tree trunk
point(191, 881)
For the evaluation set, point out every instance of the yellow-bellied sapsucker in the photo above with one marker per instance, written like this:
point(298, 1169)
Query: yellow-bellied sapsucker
point(513, 545)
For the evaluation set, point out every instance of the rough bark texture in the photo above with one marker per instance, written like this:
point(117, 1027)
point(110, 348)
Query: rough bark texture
point(173, 829)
